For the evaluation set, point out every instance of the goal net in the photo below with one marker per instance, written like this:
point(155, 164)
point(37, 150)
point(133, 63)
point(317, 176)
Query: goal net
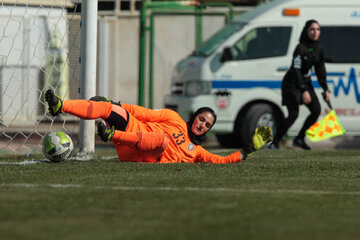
point(39, 50)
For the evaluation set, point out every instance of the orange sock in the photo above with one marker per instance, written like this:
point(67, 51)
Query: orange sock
point(142, 141)
point(87, 109)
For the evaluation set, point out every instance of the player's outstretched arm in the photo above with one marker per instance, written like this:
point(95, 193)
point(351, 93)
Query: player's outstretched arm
point(258, 139)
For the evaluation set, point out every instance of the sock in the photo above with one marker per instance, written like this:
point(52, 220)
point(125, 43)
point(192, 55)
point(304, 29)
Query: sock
point(87, 109)
point(142, 141)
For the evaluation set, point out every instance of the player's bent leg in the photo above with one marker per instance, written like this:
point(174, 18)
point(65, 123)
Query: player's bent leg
point(112, 113)
point(127, 154)
point(152, 141)
point(146, 146)
point(135, 146)
point(142, 141)
point(159, 150)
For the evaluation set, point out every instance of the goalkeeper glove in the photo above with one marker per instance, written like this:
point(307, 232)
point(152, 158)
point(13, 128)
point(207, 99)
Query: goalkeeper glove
point(105, 132)
point(54, 101)
point(258, 139)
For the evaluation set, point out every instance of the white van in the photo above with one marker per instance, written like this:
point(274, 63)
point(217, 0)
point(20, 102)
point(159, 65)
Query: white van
point(239, 70)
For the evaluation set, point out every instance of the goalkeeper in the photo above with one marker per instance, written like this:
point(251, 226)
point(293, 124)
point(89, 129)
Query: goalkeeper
point(145, 135)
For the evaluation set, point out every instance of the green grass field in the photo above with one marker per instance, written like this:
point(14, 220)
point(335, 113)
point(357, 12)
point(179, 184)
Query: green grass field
point(286, 194)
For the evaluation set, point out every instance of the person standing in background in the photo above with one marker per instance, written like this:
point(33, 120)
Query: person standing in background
point(297, 88)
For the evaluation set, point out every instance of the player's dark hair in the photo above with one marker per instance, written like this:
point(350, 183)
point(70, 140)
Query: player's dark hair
point(304, 38)
point(201, 110)
point(194, 138)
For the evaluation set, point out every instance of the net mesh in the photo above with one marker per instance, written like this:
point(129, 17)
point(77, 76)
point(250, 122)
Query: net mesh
point(39, 49)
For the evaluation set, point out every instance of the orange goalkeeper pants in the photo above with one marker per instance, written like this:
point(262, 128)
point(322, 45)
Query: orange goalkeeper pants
point(133, 146)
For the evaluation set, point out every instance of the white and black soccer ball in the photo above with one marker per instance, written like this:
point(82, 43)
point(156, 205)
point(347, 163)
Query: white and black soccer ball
point(57, 146)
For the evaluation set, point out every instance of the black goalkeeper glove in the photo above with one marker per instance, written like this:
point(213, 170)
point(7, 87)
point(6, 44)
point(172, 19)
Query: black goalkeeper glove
point(258, 139)
point(105, 132)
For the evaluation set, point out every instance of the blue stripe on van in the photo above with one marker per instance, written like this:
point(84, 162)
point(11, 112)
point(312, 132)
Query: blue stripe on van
point(218, 84)
point(245, 84)
point(240, 84)
point(331, 74)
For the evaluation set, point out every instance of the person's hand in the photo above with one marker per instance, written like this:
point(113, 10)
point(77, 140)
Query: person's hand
point(306, 97)
point(258, 139)
point(261, 137)
point(327, 96)
point(105, 132)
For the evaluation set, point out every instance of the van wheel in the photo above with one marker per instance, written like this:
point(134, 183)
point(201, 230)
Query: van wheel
point(258, 115)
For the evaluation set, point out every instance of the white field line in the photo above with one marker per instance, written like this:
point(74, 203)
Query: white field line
point(26, 162)
point(76, 158)
point(185, 189)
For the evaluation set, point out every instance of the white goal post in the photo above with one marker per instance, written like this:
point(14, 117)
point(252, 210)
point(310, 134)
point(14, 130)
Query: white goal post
point(42, 46)
point(88, 70)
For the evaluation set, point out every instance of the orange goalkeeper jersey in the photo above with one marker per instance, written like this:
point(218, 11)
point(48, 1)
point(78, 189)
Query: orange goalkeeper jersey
point(180, 147)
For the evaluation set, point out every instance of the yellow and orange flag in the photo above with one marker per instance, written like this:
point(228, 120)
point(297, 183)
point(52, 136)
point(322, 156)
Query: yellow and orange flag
point(327, 127)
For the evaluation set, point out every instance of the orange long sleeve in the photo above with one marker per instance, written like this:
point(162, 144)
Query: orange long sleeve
point(205, 156)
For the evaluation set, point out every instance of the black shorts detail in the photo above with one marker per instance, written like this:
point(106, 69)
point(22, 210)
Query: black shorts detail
point(117, 121)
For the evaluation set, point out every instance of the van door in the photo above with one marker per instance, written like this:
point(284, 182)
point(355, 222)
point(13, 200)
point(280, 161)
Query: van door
point(259, 60)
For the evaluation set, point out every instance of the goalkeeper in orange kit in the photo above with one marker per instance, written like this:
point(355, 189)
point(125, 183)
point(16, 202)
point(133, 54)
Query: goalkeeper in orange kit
point(145, 135)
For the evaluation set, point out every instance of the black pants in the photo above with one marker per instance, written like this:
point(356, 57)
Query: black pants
point(293, 109)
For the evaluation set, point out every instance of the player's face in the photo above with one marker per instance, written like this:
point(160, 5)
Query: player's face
point(314, 31)
point(202, 123)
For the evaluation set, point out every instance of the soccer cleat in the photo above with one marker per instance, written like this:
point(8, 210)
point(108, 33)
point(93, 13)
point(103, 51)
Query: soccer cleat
point(103, 99)
point(99, 99)
point(105, 132)
point(54, 101)
point(298, 142)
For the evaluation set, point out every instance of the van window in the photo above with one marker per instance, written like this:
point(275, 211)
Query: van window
point(341, 44)
point(206, 48)
point(262, 43)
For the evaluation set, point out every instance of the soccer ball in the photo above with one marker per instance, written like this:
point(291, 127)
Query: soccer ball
point(57, 146)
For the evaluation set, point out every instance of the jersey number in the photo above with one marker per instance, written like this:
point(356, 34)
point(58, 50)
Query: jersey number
point(179, 138)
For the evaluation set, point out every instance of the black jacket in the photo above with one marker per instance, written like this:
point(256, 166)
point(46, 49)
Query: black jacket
point(298, 78)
